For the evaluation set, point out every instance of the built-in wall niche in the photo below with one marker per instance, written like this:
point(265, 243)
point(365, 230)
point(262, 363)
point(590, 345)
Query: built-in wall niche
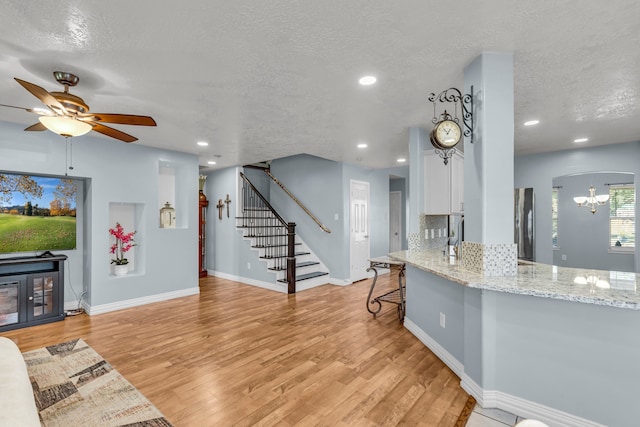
point(172, 176)
point(130, 216)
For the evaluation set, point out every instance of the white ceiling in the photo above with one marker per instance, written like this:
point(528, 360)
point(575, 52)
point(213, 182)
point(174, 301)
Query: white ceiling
point(261, 80)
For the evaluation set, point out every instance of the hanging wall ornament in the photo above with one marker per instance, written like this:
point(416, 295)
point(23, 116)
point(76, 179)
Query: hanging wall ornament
point(448, 132)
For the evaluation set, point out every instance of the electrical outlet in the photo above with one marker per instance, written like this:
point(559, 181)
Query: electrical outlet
point(248, 266)
point(564, 257)
point(442, 319)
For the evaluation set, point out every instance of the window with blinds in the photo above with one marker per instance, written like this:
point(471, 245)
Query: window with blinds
point(622, 216)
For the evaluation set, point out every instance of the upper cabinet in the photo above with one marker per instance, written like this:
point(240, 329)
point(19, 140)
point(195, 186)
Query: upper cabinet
point(444, 184)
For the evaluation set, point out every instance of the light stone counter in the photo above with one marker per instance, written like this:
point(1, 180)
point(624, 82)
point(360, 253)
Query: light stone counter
point(610, 288)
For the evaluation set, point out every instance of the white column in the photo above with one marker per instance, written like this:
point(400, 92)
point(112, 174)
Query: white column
point(488, 166)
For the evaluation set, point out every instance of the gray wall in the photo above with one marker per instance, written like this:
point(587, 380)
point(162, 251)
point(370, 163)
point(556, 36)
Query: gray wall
point(115, 172)
point(538, 171)
point(318, 184)
point(429, 295)
point(583, 237)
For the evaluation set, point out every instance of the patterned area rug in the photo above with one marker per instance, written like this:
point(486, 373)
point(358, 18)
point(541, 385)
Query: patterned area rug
point(74, 386)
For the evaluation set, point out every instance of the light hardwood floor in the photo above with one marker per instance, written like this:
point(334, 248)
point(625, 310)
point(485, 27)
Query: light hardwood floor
point(240, 355)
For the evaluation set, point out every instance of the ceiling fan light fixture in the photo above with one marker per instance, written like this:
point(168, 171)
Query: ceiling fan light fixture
point(65, 125)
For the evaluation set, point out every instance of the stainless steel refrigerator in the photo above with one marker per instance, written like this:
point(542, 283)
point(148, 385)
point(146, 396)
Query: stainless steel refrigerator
point(524, 223)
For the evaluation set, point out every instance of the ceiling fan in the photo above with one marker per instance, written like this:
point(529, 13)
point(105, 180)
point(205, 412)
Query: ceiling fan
point(68, 115)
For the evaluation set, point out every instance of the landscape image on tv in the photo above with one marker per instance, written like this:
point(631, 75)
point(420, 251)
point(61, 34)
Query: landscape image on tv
point(37, 213)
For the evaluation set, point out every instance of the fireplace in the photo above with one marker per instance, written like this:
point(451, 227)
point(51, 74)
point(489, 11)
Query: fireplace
point(9, 302)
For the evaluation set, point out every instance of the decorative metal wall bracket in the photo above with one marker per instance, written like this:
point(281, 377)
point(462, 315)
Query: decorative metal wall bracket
point(445, 154)
point(466, 105)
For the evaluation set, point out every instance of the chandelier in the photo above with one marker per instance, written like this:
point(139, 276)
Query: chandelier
point(592, 200)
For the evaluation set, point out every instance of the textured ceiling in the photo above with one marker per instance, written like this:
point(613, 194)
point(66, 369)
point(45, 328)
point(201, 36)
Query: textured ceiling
point(261, 80)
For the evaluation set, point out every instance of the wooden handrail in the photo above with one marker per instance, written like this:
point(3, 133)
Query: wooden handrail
point(295, 199)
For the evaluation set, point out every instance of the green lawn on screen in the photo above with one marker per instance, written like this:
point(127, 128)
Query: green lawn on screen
point(19, 233)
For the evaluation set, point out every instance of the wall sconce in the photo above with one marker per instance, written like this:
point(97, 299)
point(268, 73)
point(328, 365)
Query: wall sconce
point(592, 200)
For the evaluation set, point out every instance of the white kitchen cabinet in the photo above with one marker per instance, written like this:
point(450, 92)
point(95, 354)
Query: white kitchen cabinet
point(457, 183)
point(443, 184)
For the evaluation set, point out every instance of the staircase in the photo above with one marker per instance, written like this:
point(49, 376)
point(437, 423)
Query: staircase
point(284, 252)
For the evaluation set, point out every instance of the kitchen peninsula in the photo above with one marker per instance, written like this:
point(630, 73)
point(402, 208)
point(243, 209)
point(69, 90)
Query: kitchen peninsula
point(558, 344)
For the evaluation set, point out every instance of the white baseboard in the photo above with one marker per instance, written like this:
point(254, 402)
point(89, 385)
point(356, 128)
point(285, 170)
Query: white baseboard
point(258, 283)
point(495, 398)
point(70, 305)
point(282, 287)
point(135, 302)
point(437, 349)
point(339, 282)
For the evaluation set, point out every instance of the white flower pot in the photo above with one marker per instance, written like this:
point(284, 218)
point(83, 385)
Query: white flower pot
point(121, 270)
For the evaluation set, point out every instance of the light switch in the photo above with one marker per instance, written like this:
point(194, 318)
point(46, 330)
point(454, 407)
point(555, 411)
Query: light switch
point(335, 217)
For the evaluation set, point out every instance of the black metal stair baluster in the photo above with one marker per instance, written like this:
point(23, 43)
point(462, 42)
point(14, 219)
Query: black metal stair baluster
point(271, 233)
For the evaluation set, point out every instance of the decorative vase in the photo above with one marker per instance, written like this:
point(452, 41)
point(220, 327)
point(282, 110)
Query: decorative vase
point(121, 270)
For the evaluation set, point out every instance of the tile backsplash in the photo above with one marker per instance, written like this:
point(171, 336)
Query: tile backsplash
point(490, 259)
point(433, 231)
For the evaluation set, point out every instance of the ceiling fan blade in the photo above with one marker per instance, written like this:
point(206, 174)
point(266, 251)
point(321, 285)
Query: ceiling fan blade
point(13, 106)
point(44, 96)
point(124, 119)
point(113, 133)
point(37, 127)
point(39, 111)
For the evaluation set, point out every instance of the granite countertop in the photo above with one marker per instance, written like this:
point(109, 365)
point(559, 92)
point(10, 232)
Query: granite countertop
point(610, 288)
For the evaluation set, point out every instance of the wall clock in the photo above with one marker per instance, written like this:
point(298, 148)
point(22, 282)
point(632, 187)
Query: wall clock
point(445, 134)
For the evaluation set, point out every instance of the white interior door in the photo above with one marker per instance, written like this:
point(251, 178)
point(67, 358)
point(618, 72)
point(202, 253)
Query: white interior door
point(359, 229)
point(395, 220)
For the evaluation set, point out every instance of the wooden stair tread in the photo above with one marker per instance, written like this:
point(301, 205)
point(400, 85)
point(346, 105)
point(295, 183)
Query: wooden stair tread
point(298, 265)
point(273, 246)
point(259, 236)
point(261, 226)
point(306, 276)
point(284, 256)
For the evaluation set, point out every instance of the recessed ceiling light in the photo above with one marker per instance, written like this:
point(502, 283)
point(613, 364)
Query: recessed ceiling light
point(402, 160)
point(203, 143)
point(531, 122)
point(211, 162)
point(581, 140)
point(362, 145)
point(367, 80)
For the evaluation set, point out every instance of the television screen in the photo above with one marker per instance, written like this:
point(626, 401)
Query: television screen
point(37, 213)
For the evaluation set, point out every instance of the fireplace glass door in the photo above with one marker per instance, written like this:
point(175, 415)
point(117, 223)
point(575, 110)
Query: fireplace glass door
point(9, 302)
